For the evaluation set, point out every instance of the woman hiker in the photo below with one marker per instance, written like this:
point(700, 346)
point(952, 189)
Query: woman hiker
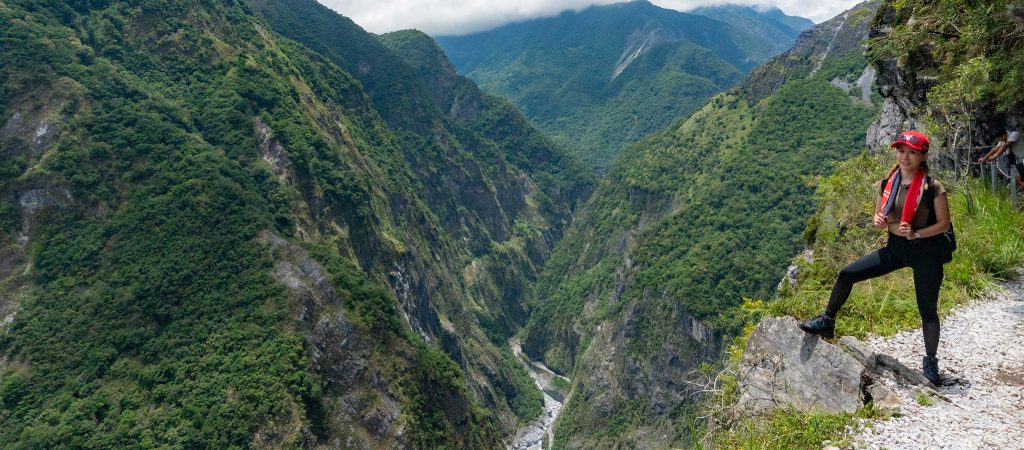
point(915, 229)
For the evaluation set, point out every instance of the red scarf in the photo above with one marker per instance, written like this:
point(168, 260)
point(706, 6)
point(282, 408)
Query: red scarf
point(912, 201)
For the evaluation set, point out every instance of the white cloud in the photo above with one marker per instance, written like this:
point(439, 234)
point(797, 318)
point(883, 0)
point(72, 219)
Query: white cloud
point(439, 17)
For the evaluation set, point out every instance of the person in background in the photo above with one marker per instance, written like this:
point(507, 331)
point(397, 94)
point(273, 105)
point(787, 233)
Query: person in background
point(1016, 152)
point(1010, 143)
point(997, 150)
point(915, 228)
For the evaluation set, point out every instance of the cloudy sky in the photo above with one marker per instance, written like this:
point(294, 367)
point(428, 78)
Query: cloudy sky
point(438, 17)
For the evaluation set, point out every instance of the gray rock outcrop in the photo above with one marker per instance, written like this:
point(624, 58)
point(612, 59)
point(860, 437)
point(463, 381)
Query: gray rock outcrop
point(783, 367)
point(34, 200)
point(271, 150)
point(904, 85)
point(34, 127)
point(359, 402)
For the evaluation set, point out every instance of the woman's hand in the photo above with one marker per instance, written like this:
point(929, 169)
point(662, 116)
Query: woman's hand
point(880, 220)
point(906, 230)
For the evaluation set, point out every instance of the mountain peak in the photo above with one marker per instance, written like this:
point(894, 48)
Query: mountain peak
point(740, 15)
point(615, 73)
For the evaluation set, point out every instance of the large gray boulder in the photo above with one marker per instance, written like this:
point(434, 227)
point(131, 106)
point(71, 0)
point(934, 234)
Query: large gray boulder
point(785, 367)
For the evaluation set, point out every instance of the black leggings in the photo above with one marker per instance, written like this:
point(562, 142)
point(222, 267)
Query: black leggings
point(921, 255)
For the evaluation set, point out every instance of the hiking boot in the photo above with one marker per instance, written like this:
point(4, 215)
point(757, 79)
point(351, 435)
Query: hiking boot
point(930, 369)
point(822, 325)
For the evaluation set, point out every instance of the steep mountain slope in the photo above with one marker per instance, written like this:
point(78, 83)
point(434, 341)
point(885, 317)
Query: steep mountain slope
point(420, 96)
point(610, 75)
point(213, 236)
point(686, 223)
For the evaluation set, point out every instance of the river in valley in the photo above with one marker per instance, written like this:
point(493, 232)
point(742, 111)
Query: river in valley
point(539, 433)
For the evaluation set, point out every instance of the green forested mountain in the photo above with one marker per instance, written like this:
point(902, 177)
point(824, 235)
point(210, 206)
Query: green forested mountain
point(415, 95)
point(216, 232)
point(610, 75)
point(686, 223)
point(771, 24)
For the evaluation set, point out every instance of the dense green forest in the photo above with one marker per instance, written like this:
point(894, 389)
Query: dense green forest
point(601, 78)
point(686, 224)
point(213, 236)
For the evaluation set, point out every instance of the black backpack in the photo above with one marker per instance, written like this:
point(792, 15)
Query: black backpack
point(946, 240)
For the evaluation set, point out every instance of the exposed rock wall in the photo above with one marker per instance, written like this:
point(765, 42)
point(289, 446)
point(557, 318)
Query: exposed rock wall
point(903, 90)
point(903, 84)
point(358, 403)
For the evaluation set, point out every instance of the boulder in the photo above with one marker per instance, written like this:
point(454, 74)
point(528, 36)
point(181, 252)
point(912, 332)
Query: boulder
point(887, 365)
point(883, 397)
point(785, 367)
point(880, 364)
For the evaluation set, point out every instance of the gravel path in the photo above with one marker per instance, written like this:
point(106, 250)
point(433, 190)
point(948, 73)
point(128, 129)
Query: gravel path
point(980, 404)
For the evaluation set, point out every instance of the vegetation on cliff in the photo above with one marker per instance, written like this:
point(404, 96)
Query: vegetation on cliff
point(147, 309)
point(645, 285)
point(943, 39)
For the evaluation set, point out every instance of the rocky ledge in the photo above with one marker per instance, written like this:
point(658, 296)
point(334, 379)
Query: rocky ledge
point(783, 367)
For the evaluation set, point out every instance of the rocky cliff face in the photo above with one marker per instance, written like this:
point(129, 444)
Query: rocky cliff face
point(900, 85)
point(904, 83)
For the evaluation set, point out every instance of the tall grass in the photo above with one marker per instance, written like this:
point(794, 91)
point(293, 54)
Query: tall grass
point(792, 429)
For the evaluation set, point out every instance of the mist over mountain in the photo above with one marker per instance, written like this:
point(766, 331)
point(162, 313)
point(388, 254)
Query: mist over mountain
point(771, 23)
point(609, 75)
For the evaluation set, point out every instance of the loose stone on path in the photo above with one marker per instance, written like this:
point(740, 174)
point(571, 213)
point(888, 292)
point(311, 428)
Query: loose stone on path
point(980, 404)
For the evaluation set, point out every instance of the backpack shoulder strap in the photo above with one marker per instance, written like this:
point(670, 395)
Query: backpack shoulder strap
point(929, 196)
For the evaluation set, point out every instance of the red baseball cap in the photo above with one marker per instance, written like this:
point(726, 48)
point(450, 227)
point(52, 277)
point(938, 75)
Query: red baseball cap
point(912, 139)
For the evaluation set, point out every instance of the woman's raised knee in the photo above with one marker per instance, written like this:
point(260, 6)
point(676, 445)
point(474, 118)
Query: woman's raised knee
point(847, 276)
